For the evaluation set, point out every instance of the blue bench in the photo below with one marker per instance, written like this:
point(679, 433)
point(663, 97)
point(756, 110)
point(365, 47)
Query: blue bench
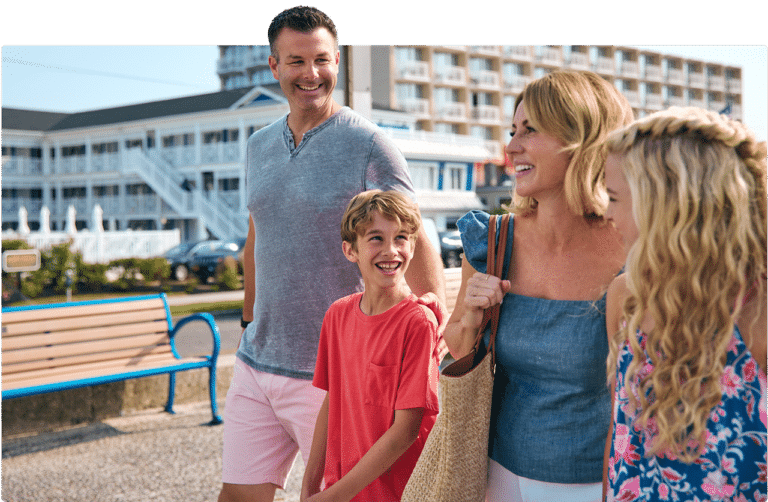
point(48, 348)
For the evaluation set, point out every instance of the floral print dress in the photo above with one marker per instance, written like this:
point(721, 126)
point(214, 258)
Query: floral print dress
point(733, 465)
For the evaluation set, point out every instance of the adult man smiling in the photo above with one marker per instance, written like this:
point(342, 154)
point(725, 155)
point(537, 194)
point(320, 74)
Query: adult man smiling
point(301, 172)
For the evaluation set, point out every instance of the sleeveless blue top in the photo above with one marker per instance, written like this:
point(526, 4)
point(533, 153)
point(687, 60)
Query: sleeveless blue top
point(551, 404)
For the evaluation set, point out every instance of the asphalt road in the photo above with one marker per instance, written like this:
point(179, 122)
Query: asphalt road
point(195, 338)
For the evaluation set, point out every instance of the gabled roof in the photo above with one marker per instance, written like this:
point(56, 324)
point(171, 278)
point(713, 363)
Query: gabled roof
point(30, 120)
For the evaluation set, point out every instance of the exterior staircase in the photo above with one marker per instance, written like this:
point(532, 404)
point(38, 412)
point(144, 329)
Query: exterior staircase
point(166, 181)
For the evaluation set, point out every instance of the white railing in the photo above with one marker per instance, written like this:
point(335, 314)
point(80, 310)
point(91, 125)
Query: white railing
point(450, 75)
point(105, 162)
point(103, 247)
point(457, 111)
point(415, 70)
point(22, 166)
point(485, 78)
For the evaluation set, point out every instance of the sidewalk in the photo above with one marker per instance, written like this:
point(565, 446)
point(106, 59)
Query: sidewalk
point(150, 456)
point(189, 299)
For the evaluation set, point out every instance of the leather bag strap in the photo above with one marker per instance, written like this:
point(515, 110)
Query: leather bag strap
point(495, 266)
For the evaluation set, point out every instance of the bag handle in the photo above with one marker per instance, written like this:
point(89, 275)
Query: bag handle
point(495, 266)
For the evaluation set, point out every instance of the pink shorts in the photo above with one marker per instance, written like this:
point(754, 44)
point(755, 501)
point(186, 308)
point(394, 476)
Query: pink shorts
point(267, 420)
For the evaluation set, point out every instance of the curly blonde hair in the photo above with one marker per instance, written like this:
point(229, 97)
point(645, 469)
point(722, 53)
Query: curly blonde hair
point(580, 108)
point(698, 186)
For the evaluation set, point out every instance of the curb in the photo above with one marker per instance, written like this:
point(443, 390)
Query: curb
point(57, 410)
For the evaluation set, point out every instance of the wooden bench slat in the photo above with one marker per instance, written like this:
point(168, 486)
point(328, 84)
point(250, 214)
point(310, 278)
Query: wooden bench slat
point(72, 362)
point(101, 348)
point(82, 310)
point(83, 372)
point(123, 364)
point(44, 339)
point(88, 321)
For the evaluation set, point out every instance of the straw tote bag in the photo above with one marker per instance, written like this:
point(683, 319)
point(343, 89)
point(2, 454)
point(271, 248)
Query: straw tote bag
point(453, 466)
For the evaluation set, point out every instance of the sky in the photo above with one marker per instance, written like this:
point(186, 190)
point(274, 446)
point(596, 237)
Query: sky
point(80, 78)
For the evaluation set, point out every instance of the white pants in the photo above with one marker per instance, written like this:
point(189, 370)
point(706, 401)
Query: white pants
point(504, 486)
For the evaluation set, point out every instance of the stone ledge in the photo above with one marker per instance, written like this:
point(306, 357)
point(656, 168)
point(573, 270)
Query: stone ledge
point(55, 410)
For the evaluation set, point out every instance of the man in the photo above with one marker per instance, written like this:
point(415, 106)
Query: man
point(301, 172)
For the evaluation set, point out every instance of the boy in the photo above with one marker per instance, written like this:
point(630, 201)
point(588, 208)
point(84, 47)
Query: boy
point(377, 360)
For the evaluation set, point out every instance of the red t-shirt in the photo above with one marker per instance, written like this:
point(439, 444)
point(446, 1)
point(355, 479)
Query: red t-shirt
point(372, 366)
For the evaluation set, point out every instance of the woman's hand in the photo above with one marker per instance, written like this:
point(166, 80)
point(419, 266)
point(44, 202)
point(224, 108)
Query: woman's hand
point(476, 293)
point(483, 291)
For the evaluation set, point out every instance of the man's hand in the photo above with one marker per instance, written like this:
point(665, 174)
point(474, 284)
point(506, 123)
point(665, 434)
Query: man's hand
point(432, 302)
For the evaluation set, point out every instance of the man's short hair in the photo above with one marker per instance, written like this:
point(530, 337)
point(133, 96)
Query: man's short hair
point(302, 19)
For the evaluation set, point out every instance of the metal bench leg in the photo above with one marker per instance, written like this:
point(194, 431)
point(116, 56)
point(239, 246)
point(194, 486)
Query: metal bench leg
point(171, 392)
point(214, 406)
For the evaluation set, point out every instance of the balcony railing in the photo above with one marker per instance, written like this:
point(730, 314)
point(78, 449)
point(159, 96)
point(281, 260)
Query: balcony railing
point(675, 76)
point(416, 106)
point(451, 75)
point(578, 61)
point(105, 162)
point(486, 78)
point(653, 101)
point(518, 52)
point(516, 83)
point(696, 80)
point(454, 111)
point(653, 73)
point(486, 113)
point(604, 65)
point(629, 69)
point(413, 70)
point(716, 82)
point(22, 166)
point(733, 85)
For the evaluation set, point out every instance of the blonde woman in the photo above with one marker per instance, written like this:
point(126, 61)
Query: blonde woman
point(688, 318)
point(551, 407)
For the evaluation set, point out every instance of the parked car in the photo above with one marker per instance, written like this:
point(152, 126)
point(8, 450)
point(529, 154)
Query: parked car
point(177, 258)
point(451, 248)
point(207, 255)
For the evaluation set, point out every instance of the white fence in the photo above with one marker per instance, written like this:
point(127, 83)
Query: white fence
point(102, 247)
point(96, 245)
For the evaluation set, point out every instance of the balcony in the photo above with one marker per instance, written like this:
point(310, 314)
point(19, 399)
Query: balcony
point(696, 80)
point(716, 82)
point(577, 61)
point(516, 83)
point(629, 69)
point(224, 66)
point(70, 165)
point(653, 73)
point(416, 106)
point(451, 75)
point(451, 111)
point(549, 56)
point(105, 162)
point(485, 78)
point(675, 76)
point(653, 101)
point(675, 101)
point(633, 97)
point(519, 52)
point(699, 103)
point(413, 70)
point(733, 86)
point(22, 166)
point(604, 65)
point(485, 50)
point(486, 113)
point(179, 156)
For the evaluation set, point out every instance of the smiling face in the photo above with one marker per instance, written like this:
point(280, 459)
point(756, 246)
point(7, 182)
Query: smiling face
point(537, 157)
point(619, 200)
point(306, 66)
point(383, 252)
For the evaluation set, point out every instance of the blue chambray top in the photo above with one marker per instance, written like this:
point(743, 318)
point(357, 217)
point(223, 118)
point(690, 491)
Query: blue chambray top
point(551, 404)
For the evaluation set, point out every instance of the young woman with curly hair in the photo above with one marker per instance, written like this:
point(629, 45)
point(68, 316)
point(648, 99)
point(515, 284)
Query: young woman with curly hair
point(687, 319)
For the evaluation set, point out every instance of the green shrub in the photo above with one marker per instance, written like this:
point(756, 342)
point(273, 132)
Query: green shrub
point(154, 269)
point(226, 274)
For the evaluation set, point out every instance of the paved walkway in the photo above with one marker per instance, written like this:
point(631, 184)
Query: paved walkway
point(152, 456)
point(223, 296)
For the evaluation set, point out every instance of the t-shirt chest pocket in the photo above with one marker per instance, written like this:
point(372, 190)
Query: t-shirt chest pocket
point(381, 384)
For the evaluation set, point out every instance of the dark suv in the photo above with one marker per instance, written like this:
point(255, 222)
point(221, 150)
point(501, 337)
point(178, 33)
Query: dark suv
point(207, 255)
point(177, 259)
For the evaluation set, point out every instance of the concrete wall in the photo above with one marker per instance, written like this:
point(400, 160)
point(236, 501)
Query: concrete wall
point(55, 410)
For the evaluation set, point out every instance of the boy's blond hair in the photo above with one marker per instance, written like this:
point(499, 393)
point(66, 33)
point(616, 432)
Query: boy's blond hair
point(698, 185)
point(392, 205)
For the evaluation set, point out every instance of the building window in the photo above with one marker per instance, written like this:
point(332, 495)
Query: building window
point(229, 184)
point(454, 177)
point(72, 151)
point(423, 175)
point(407, 54)
point(102, 148)
point(138, 189)
point(73, 193)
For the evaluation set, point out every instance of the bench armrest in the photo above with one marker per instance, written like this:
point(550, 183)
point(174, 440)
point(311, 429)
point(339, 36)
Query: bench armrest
point(208, 318)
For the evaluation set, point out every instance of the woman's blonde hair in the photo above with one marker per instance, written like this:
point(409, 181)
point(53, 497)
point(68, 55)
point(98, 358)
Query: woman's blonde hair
point(580, 109)
point(392, 205)
point(698, 186)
